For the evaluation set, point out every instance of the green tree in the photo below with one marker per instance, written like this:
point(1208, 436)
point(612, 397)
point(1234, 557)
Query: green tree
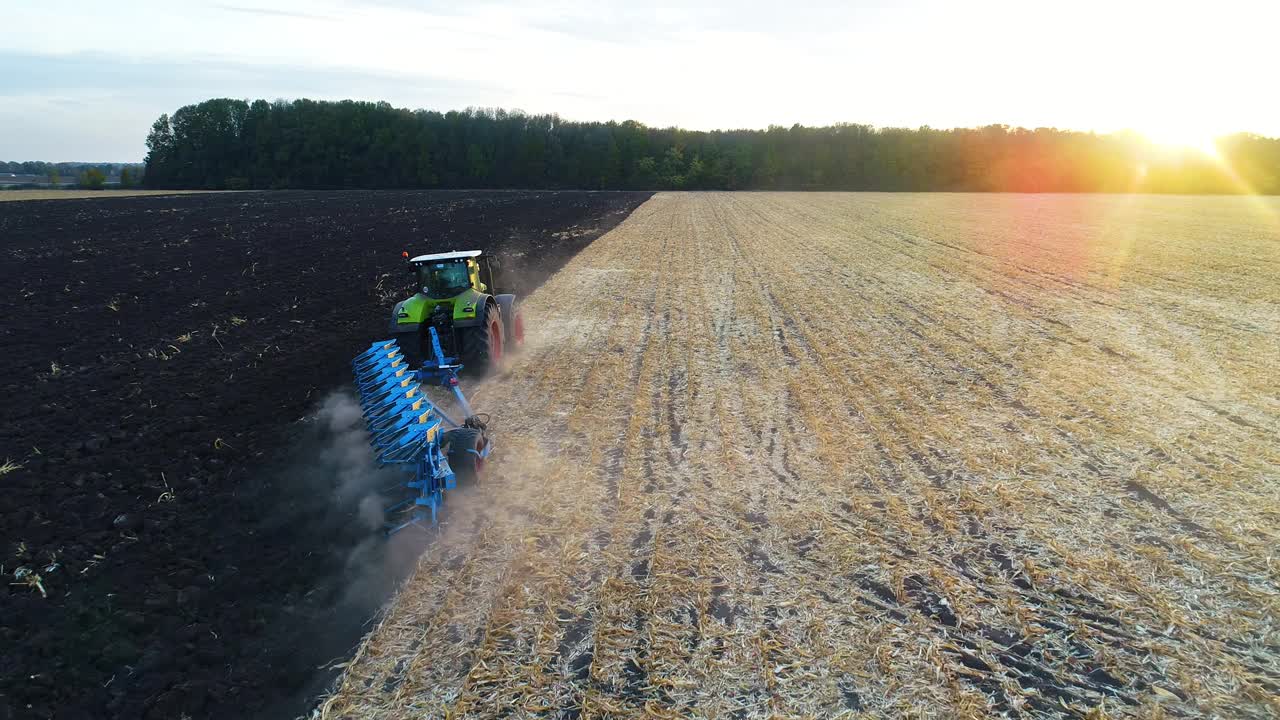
point(54, 177)
point(646, 173)
point(673, 167)
point(161, 153)
point(126, 178)
point(92, 179)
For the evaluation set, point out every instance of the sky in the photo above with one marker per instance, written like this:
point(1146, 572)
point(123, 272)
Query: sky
point(83, 80)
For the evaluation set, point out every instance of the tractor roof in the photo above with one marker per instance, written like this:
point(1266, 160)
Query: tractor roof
point(455, 255)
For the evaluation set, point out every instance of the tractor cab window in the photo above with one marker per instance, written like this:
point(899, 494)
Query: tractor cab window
point(443, 280)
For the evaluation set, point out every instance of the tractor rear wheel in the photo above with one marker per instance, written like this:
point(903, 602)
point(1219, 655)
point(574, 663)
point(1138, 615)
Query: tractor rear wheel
point(517, 330)
point(512, 320)
point(483, 346)
point(466, 465)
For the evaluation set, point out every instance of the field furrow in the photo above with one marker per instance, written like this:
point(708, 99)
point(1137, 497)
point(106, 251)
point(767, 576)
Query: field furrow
point(801, 455)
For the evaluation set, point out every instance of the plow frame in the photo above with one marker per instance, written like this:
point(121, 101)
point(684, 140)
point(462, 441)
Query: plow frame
point(408, 431)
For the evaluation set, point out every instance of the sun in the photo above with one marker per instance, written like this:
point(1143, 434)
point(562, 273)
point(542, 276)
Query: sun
point(1183, 136)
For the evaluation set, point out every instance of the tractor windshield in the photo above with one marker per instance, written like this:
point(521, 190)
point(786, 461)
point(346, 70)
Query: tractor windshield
point(444, 279)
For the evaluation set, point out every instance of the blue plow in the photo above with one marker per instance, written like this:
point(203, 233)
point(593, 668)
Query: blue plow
point(410, 432)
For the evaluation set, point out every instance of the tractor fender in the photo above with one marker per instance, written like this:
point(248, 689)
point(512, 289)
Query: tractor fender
point(507, 306)
point(409, 313)
point(396, 325)
point(482, 305)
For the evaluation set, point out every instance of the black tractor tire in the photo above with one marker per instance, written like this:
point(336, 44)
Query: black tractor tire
point(512, 321)
point(467, 466)
point(517, 325)
point(483, 346)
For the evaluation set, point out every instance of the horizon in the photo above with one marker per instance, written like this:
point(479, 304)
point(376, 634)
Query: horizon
point(1120, 131)
point(78, 86)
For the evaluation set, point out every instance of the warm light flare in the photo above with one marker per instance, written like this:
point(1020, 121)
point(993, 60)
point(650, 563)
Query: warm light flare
point(1184, 136)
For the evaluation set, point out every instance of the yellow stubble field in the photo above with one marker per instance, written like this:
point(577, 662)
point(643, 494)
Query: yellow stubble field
point(813, 455)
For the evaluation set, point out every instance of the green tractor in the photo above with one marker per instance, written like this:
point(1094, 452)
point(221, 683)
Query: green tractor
point(457, 296)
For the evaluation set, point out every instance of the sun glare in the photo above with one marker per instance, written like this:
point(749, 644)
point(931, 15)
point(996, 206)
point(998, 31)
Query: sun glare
point(1181, 137)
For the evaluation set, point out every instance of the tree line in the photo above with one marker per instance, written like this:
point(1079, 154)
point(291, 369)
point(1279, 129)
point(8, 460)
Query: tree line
point(236, 144)
point(42, 168)
point(93, 176)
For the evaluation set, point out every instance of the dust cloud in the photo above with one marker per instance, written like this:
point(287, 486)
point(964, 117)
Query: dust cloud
point(334, 463)
point(359, 488)
point(336, 494)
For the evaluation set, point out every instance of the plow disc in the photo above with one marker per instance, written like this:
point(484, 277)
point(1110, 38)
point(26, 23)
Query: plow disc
point(410, 432)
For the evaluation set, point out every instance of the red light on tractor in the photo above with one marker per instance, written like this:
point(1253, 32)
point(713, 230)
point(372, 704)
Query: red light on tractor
point(404, 254)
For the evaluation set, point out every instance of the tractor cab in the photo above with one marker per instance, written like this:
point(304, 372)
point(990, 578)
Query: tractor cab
point(446, 275)
point(444, 279)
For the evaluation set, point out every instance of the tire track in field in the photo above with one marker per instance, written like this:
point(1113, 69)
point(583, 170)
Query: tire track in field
point(917, 458)
point(1075, 411)
point(925, 600)
point(924, 465)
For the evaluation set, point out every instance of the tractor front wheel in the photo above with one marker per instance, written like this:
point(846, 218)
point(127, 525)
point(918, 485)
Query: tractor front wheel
point(465, 453)
point(483, 346)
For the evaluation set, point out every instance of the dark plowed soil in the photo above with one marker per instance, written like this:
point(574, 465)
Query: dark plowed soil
point(157, 355)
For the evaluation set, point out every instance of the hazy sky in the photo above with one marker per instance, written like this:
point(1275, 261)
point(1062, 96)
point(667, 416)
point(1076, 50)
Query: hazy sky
point(82, 80)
